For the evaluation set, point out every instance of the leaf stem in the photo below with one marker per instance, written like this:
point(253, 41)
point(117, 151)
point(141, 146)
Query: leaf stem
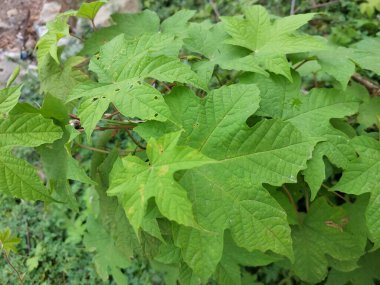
point(92, 148)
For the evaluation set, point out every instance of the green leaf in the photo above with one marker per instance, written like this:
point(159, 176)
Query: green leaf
point(363, 176)
point(89, 10)
point(366, 274)
point(255, 219)
point(9, 98)
point(326, 230)
point(13, 76)
point(28, 130)
point(108, 258)
point(7, 241)
point(132, 25)
point(270, 42)
point(19, 179)
point(177, 24)
point(223, 111)
point(135, 181)
point(120, 65)
point(366, 54)
point(59, 80)
point(337, 62)
point(200, 249)
point(369, 112)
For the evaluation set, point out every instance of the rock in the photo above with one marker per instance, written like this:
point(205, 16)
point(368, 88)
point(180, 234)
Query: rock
point(11, 13)
point(119, 6)
point(49, 11)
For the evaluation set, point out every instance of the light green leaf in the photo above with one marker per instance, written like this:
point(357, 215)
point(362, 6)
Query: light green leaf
point(7, 241)
point(177, 24)
point(132, 25)
point(91, 111)
point(89, 10)
point(13, 76)
point(135, 181)
point(9, 98)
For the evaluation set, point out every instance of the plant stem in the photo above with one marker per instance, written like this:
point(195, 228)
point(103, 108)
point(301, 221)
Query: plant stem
point(292, 7)
point(134, 140)
point(215, 9)
point(290, 197)
point(372, 87)
point(13, 268)
point(92, 148)
point(93, 25)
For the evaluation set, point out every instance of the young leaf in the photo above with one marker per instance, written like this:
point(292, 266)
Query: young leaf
point(7, 241)
point(89, 10)
point(9, 98)
point(135, 181)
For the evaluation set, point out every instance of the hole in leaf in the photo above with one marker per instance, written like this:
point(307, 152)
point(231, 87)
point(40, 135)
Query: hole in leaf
point(156, 115)
point(94, 99)
point(117, 89)
point(155, 97)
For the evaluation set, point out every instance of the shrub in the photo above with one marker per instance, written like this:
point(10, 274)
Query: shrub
point(216, 145)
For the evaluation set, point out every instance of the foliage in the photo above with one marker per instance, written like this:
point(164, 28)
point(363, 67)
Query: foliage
point(213, 149)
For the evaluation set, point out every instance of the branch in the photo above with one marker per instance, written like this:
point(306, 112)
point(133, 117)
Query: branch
point(215, 9)
point(134, 140)
point(372, 87)
point(320, 5)
point(293, 7)
point(13, 268)
point(92, 148)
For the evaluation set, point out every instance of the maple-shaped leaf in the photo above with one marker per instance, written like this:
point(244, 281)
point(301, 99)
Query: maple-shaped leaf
point(337, 232)
point(135, 181)
point(208, 40)
point(7, 241)
point(269, 41)
point(121, 65)
point(363, 176)
point(220, 202)
point(311, 114)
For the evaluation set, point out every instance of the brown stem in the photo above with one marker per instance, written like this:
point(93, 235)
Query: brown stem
point(134, 140)
point(109, 116)
point(93, 25)
point(290, 197)
point(293, 7)
point(78, 38)
point(72, 116)
point(321, 5)
point(372, 87)
point(13, 268)
point(214, 7)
